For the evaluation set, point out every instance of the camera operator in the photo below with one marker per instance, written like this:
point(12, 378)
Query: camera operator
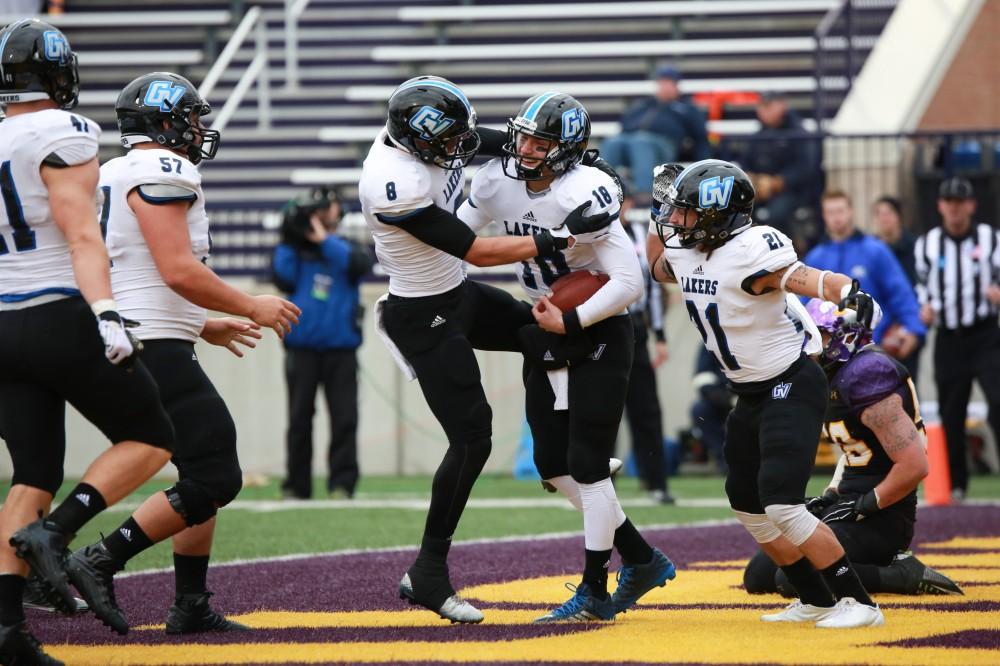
point(322, 271)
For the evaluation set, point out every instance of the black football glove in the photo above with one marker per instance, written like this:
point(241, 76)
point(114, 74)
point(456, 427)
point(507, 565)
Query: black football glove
point(853, 509)
point(862, 303)
point(592, 158)
point(818, 505)
point(578, 223)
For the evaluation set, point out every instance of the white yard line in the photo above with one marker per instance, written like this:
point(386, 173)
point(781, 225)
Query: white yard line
point(457, 544)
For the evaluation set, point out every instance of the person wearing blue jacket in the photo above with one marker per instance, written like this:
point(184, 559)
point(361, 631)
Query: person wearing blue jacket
point(847, 250)
point(322, 271)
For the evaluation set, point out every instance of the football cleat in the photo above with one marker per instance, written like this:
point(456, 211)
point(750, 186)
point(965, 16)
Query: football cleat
point(800, 612)
point(583, 606)
point(635, 580)
point(453, 608)
point(191, 614)
point(921, 579)
point(37, 594)
point(92, 570)
point(849, 614)
point(43, 547)
point(19, 646)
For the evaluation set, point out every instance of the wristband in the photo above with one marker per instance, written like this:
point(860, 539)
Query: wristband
point(820, 287)
point(788, 273)
point(101, 306)
point(571, 322)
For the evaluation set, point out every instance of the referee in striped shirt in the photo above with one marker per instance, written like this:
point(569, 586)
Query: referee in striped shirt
point(958, 268)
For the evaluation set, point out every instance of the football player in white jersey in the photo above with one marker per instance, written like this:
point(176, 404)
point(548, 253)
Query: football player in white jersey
point(54, 281)
point(734, 276)
point(529, 191)
point(158, 240)
point(432, 318)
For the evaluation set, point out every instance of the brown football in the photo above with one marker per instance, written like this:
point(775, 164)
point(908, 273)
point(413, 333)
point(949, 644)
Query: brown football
point(574, 288)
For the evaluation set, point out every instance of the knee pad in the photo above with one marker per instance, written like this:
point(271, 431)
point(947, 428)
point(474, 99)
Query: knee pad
point(795, 523)
point(759, 526)
point(191, 502)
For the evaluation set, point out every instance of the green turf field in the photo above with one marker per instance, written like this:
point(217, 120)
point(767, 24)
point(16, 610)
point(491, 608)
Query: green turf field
point(272, 530)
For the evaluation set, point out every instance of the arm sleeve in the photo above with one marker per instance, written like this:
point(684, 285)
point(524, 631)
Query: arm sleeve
point(491, 141)
point(435, 227)
point(286, 263)
point(900, 302)
point(867, 379)
point(618, 258)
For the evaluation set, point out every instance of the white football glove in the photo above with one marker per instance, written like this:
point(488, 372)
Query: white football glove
point(120, 346)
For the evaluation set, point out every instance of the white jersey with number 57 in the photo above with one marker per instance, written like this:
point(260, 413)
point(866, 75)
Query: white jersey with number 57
point(754, 337)
point(159, 176)
point(34, 256)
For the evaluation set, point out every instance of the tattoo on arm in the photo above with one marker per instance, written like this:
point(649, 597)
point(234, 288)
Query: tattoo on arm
point(892, 425)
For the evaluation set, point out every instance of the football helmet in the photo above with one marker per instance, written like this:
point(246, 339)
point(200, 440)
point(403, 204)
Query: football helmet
point(719, 194)
point(36, 63)
point(165, 108)
point(554, 117)
point(846, 336)
point(432, 119)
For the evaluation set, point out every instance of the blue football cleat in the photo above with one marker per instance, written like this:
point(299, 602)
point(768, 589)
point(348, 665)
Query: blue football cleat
point(635, 580)
point(583, 606)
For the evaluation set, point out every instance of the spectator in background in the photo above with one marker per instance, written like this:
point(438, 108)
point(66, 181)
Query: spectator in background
point(657, 130)
point(642, 401)
point(784, 166)
point(888, 213)
point(321, 270)
point(958, 266)
point(870, 261)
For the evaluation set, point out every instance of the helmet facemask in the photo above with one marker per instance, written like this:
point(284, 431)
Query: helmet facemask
point(712, 227)
point(186, 131)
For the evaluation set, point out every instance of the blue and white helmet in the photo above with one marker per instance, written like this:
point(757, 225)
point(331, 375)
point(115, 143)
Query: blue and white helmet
point(718, 193)
point(555, 117)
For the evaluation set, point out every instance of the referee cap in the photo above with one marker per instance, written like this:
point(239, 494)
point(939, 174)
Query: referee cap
point(956, 188)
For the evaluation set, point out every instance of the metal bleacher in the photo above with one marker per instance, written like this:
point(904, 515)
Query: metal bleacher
point(351, 53)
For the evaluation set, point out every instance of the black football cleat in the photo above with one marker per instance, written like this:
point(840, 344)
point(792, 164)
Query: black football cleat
point(92, 570)
point(191, 614)
point(44, 548)
point(19, 646)
point(37, 594)
point(921, 579)
point(430, 588)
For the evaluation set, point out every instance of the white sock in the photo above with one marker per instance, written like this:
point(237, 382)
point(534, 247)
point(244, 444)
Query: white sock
point(602, 514)
point(569, 488)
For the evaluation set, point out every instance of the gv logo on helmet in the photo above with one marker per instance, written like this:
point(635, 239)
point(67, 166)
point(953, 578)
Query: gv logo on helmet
point(164, 95)
point(430, 122)
point(56, 46)
point(715, 192)
point(572, 124)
